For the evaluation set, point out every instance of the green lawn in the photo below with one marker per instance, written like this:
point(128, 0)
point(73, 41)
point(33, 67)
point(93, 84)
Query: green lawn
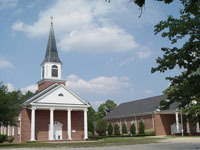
point(105, 142)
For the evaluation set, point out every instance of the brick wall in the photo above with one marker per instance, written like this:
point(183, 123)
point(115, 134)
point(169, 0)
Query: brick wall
point(25, 125)
point(147, 121)
point(163, 123)
point(45, 84)
point(77, 125)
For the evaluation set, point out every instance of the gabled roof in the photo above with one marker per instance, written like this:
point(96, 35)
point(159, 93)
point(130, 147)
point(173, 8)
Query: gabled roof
point(143, 106)
point(51, 96)
point(36, 95)
point(51, 51)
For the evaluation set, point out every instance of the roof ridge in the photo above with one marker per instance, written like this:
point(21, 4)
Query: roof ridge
point(143, 99)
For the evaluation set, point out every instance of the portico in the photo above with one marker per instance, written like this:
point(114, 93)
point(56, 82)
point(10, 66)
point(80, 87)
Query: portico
point(68, 122)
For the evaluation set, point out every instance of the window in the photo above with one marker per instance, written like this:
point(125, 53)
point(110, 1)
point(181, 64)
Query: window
point(54, 71)
point(60, 94)
point(43, 72)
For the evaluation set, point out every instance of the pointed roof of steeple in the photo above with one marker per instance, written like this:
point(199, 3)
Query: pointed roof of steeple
point(51, 51)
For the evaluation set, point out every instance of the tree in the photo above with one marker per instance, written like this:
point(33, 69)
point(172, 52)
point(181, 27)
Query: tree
point(124, 128)
point(91, 114)
point(91, 117)
point(184, 34)
point(91, 126)
point(133, 129)
point(101, 127)
point(116, 129)
point(10, 104)
point(110, 129)
point(105, 108)
point(141, 127)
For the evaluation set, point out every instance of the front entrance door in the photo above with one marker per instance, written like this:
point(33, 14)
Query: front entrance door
point(57, 130)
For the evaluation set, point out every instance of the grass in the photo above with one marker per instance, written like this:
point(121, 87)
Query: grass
point(105, 142)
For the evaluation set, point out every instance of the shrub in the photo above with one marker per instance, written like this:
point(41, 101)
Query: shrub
point(90, 126)
point(149, 132)
point(133, 129)
point(10, 139)
point(3, 138)
point(101, 127)
point(110, 129)
point(141, 127)
point(116, 129)
point(124, 128)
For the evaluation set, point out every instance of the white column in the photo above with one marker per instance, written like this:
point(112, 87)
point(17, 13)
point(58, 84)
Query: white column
point(5, 130)
point(33, 124)
point(13, 130)
point(85, 125)
point(51, 124)
point(197, 124)
point(188, 126)
point(177, 123)
point(1, 128)
point(69, 132)
point(8, 130)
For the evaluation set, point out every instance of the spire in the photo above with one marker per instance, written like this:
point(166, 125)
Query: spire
point(51, 51)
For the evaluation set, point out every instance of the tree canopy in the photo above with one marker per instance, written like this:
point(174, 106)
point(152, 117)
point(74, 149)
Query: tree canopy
point(105, 108)
point(184, 88)
point(10, 104)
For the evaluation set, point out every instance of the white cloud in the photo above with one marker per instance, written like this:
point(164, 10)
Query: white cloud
point(4, 4)
point(96, 104)
point(99, 39)
point(31, 88)
point(68, 16)
point(85, 26)
point(4, 64)
point(98, 86)
point(144, 52)
point(10, 87)
point(146, 91)
point(126, 61)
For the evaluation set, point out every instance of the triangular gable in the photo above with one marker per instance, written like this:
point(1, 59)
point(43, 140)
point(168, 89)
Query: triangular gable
point(60, 95)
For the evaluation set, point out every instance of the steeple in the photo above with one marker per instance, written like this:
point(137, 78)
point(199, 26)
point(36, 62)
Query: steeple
point(51, 50)
point(51, 67)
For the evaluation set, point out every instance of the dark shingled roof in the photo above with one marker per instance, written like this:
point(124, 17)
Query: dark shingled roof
point(147, 105)
point(51, 51)
point(30, 99)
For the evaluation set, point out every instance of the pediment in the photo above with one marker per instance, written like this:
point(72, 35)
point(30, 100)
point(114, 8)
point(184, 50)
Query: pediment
point(61, 96)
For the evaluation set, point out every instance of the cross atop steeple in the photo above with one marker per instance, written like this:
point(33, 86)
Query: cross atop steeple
point(51, 19)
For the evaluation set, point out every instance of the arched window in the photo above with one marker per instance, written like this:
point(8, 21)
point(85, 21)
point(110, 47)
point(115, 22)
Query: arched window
point(54, 71)
point(43, 72)
point(60, 94)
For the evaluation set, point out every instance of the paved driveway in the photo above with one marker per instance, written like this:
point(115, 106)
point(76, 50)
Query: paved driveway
point(169, 144)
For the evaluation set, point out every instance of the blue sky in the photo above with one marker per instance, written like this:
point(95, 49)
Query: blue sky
point(106, 50)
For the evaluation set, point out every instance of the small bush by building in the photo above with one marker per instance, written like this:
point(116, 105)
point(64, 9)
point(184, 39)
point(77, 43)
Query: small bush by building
point(133, 129)
point(141, 127)
point(110, 129)
point(116, 129)
point(101, 127)
point(124, 128)
point(3, 138)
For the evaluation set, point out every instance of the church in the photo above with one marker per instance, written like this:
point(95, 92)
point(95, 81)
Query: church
point(54, 112)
